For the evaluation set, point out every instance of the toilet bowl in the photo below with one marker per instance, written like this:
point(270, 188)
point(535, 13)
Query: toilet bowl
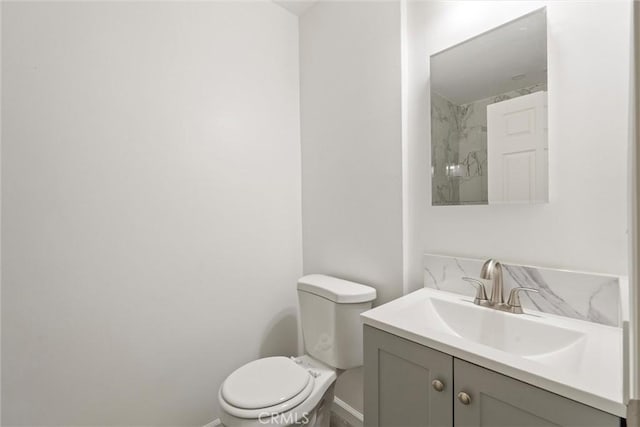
point(281, 391)
point(278, 391)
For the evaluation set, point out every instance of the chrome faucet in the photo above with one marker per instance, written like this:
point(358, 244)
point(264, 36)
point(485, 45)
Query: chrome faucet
point(491, 272)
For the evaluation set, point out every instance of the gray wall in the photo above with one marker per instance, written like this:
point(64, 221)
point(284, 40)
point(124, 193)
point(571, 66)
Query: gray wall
point(150, 206)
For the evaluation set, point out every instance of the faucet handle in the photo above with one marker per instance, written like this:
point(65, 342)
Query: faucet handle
point(514, 298)
point(481, 292)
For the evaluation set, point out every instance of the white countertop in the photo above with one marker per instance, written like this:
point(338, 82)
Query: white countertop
point(594, 376)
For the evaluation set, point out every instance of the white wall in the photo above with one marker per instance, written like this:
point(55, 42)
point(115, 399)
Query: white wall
point(150, 206)
point(634, 267)
point(0, 212)
point(584, 226)
point(351, 143)
point(351, 150)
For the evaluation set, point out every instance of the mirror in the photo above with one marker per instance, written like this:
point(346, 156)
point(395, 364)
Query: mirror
point(489, 117)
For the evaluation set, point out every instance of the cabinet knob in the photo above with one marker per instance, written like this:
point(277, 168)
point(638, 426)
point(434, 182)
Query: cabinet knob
point(464, 398)
point(437, 385)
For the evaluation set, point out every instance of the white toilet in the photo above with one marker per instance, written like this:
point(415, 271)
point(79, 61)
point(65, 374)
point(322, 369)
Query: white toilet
point(282, 391)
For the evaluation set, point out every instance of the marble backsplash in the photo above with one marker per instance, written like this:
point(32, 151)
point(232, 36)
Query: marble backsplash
point(585, 296)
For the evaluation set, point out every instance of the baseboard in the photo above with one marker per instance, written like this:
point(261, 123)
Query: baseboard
point(633, 413)
point(345, 411)
point(339, 407)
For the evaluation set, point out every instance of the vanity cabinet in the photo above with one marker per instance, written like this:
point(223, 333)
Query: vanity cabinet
point(501, 401)
point(400, 381)
point(402, 388)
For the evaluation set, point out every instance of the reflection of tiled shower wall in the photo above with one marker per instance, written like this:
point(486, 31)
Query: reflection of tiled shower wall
point(444, 149)
point(473, 158)
point(459, 147)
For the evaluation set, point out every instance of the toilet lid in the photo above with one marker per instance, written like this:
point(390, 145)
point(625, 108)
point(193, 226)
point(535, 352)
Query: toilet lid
point(264, 383)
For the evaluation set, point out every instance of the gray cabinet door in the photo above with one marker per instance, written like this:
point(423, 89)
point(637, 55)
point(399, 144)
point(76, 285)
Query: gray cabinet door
point(500, 401)
point(398, 376)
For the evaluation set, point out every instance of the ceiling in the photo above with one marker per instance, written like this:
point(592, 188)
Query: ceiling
point(297, 7)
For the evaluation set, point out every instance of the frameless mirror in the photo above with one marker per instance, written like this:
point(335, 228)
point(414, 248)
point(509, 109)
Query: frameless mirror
point(489, 116)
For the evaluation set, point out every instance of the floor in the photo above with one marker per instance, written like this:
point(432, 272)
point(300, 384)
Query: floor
point(337, 421)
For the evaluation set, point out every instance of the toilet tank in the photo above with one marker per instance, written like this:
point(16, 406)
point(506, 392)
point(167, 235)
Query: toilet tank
point(330, 314)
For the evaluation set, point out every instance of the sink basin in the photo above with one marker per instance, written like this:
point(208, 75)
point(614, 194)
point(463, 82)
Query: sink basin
point(517, 334)
point(578, 359)
point(524, 335)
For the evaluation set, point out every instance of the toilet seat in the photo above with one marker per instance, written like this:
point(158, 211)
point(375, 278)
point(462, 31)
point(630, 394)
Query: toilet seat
point(270, 385)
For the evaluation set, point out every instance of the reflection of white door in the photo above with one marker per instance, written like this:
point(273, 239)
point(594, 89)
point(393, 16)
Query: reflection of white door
point(517, 149)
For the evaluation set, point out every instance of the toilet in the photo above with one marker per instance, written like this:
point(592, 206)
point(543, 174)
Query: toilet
point(298, 391)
